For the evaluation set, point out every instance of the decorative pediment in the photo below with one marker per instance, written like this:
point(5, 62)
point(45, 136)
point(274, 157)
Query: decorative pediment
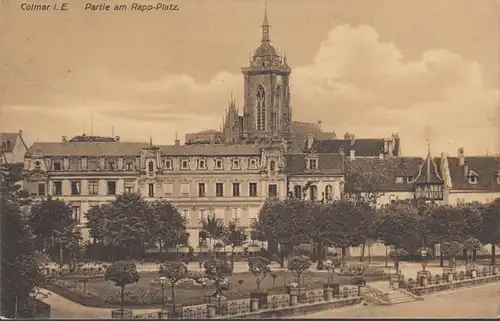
point(37, 175)
point(472, 174)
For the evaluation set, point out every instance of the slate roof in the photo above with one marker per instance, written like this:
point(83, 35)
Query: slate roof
point(85, 138)
point(429, 171)
point(486, 167)
point(206, 132)
point(327, 164)
point(134, 149)
point(386, 170)
point(299, 128)
point(364, 147)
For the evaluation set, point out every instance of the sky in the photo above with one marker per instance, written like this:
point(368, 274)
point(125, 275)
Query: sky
point(425, 69)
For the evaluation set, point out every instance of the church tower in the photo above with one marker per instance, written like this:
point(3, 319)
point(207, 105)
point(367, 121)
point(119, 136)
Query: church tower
point(266, 112)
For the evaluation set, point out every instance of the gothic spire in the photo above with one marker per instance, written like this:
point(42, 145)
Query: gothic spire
point(265, 27)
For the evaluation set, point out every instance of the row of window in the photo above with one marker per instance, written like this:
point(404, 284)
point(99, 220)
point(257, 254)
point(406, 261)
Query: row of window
point(93, 189)
point(93, 164)
point(299, 192)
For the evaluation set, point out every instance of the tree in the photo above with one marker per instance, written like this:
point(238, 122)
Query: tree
point(259, 266)
point(167, 225)
point(396, 256)
point(471, 245)
point(234, 236)
point(98, 221)
point(490, 231)
point(174, 271)
point(365, 179)
point(125, 225)
point(121, 274)
point(217, 270)
point(49, 219)
point(451, 249)
point(214, 229)
point(401, 226)
point(21, 274)
point(298, 265)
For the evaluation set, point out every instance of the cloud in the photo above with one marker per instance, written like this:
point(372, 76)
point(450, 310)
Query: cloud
point(356, 82)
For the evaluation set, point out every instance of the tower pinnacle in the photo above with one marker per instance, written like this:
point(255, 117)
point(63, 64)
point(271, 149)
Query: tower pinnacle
point(265, 26)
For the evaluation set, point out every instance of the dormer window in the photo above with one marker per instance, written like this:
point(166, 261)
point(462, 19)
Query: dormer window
point(253, 164)
point(399, 180)
point(111, 165)
point(184, 164)
point(272, 166)
point(472, 177)
point(57, 165)
point(312, 164)
point(129, 166)
point(151, 167)
point(218, 164)
point(498, 177)
point(409, 179)
point(168, 164)
point(38, 164)
point(202, 164)
point(236, 164)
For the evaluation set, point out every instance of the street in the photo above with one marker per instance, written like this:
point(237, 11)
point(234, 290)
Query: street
point(478, 302)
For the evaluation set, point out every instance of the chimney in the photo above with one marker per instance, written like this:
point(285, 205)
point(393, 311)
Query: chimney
point(341, 150)
point(352, 139)
point(461, 156)
point(310, 140)
point(352, 154)
point(177, 142)
point(466, 170)
point(64, 139)
point(117, 138)
point(21, 133)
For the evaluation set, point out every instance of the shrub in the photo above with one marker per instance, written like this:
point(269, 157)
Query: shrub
point(359, 269)
point(195, 275)
point(138, 296)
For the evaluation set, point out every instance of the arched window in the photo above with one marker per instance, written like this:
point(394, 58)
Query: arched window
point(150, 167)
point(272, 166)
point(3, 144)
point(313, 193)
point(277, 108)
point(261, 109)
point(328, 192)
point(297, 192)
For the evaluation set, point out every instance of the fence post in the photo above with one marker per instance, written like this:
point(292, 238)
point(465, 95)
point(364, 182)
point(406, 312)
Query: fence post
point(210, 311)
point(495, 270)
point(328, 294)
point(254, 304)
point(293, 299)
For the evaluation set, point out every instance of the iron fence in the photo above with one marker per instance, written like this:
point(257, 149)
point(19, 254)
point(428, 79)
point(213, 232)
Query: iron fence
point(279, 301)
point(238, 307)
point(195, 312)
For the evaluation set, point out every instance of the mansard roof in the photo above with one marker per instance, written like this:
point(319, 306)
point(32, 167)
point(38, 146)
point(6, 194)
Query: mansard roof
point(487, 169)
point(364, 147)
point(117, 149)
point(327, 164)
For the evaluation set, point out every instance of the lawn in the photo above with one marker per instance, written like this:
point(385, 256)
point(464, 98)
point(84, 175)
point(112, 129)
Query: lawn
point(193, 295)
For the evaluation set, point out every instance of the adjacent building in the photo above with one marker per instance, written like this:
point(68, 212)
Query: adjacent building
point(12, 148)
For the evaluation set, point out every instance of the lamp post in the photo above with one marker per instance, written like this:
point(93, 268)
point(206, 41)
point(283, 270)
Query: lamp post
point(329, 266)
point(163, 280)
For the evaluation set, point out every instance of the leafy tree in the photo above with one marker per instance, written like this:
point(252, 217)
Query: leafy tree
point(234, 236)
point(451, 249)
point(256, 232)
point(299, 265)
point(174, 271)
point(490, 231)
point(125, 225)
point(49, 219)
point(259, 266)
point(471, 245)
point(167, 225)
point(121, 274)
point(396, 256)
point(21, 274)
point(365, 179)
point(402, 226)
point(98, 221)
point(214, 229)
point(217, 270)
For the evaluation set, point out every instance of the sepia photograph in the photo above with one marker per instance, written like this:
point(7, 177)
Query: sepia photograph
point(249, 159)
